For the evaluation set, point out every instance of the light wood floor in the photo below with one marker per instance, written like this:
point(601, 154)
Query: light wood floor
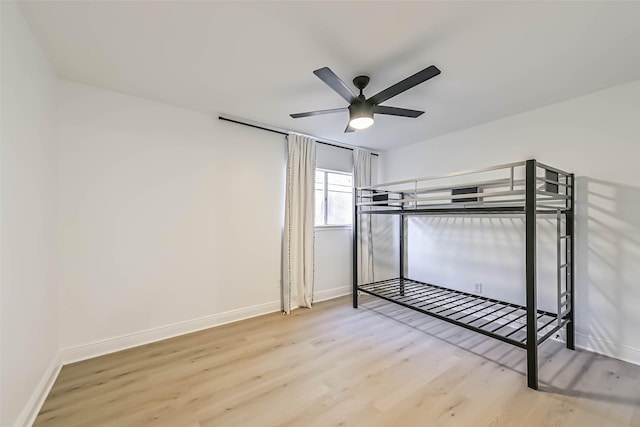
point(380, 365)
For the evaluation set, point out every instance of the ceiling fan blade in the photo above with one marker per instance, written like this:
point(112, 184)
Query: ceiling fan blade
point(408, 83)
point(318, 112)
point(349, 129)
point(329, 77)
point(394, 111)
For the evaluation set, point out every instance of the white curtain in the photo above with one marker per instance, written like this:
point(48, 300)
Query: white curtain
point(363, 177)
point(298, 263)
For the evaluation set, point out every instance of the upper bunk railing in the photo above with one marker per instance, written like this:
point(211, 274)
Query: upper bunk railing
point(496, 189)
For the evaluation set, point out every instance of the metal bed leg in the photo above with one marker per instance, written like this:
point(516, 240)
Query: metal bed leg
point(530, 254)
point(355, 249)
point(401, 250)
point(571, 342)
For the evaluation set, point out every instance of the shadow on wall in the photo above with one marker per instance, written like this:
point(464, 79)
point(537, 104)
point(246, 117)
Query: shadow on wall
point(608, 267)
point(460, 251)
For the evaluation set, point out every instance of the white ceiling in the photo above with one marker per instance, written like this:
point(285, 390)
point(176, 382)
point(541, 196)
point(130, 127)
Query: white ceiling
point(254, 60)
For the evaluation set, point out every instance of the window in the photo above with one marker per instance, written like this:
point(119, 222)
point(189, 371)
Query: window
point(334, 200)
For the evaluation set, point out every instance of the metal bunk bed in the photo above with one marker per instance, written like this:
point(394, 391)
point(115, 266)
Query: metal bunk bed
point(528, 188)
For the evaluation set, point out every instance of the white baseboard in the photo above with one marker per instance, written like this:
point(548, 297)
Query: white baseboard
point(124, 342)
point(31, 409)
point(605, 348)
point(331, 293)
point(617, 351)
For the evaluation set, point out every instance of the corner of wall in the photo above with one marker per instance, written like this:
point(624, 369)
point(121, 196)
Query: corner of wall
point(32, 407)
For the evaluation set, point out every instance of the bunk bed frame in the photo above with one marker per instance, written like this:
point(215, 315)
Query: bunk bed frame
point(526, 188)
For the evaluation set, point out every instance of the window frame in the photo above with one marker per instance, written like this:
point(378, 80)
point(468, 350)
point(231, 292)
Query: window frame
point(325, 193)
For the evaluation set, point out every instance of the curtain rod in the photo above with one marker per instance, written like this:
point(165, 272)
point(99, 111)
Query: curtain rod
point(282, 132)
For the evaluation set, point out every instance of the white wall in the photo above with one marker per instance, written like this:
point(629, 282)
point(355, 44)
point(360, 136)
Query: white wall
point(597, 137)
point(28, 287)
point(167, 216)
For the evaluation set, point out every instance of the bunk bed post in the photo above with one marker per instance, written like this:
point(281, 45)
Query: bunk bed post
point(401, 250)
point(530, 271)
point(401, 235)
point(570, 270)
point(355, 248)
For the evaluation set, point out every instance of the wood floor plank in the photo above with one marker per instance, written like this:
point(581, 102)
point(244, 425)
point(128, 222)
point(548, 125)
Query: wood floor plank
point(379, 365)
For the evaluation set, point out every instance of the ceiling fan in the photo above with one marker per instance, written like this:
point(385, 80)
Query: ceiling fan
point(361, 109)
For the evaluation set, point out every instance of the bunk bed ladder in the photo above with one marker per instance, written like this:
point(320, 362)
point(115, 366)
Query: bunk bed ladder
point(565, 271)
point(570, 254)
point(563, 267)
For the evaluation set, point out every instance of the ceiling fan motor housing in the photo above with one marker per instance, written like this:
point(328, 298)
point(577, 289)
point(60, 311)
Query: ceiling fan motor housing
point(360, 108)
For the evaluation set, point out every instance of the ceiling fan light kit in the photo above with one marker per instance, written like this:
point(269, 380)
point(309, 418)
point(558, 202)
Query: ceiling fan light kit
point(360, 115)
point(361, 109)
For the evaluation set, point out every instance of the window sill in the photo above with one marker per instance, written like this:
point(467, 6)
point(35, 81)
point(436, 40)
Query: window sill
point(332, 227)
